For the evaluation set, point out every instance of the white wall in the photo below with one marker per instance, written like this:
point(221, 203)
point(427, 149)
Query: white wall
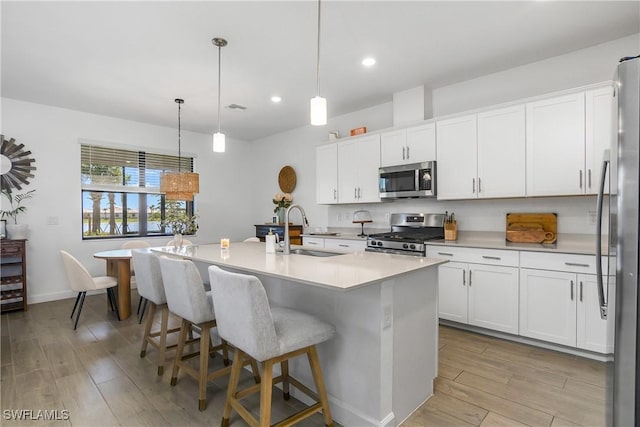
point(579, 68)
point(297, 147)
point(52, 135)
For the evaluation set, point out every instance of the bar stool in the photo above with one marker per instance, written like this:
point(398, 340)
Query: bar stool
point(186, 298)
point(271, 336)
point(151, 288)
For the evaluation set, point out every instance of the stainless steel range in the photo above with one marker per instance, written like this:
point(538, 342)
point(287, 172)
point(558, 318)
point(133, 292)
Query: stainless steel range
point(409, 232)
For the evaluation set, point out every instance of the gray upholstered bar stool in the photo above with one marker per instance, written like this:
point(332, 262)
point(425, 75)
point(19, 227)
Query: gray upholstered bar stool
point(271, 336)
point(187, 298)
point(151, 288)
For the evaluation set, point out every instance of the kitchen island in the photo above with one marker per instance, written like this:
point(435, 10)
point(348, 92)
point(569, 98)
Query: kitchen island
point(381, 364)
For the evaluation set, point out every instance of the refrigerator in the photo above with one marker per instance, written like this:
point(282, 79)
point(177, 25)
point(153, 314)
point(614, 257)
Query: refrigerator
point(623, 163)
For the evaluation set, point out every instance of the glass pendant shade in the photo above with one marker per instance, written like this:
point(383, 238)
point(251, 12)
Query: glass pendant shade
point(318, 111)
point(218, 142)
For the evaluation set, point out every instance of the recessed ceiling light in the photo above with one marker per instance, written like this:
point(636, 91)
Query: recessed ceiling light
point(276, 99)
point(368, 62)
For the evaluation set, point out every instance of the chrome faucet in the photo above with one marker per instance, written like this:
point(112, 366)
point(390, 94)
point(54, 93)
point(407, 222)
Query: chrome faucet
point(286, 250)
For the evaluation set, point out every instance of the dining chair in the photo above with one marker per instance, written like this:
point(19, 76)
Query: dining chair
point(81, 281)
point(185, 242)
point(151, 287)
point(252, 239)
point(187, 298)
point(136, 244)
point(270, 336)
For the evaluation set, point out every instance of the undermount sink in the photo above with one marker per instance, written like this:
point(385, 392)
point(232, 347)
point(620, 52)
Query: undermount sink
point(315, 253)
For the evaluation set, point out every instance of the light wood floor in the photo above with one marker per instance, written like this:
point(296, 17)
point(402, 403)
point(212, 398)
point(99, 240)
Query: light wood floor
point(96, 373)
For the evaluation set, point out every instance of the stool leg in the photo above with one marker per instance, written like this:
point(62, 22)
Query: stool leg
point(75, 305)
point(205, 339)
point(164, 324)
point(266, 387)
point(236, 368)
point(144, 307)
point(284, 367)
point(186, 325)
point(256, 372)
point(314, 362)
point(147, 331)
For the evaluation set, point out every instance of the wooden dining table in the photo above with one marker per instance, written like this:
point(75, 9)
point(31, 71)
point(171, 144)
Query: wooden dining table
point(119, 266)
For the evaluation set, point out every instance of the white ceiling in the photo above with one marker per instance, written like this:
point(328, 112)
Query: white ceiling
point(131, 59)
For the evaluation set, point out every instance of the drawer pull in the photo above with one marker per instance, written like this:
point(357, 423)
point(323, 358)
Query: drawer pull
point(343, 246)
point(576, 264)
point(491, 257)
point(445, 253)
point(312, 243)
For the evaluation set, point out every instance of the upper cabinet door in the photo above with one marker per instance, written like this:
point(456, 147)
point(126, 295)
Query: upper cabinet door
point(501, 153)
point(601, 125)
point(368, 159)
point(393, 148)
point(348, 172)
point(327, 174)
point(421, 143)
point(556, 146)
point(457, 162)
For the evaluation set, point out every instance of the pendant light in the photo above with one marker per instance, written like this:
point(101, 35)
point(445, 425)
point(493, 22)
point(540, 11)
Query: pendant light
point(179, 185)
point(218, 137)
point(318, 103)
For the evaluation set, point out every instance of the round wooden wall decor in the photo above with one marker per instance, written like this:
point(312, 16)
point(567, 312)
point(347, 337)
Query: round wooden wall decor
point(16, 164)
point(287, 179)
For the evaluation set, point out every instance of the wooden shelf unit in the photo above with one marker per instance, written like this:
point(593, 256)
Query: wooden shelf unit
point(13, 280)
point(295, 232)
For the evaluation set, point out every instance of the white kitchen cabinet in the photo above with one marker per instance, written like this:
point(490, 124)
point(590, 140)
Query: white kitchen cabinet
point(358, 164)
point(547, 306)
point(347, 245)
point(562, 306)
point(501, 153)
point(592, 332)
point(343, 245)
point(601, 131)
point(556, 146)
point(327, 174)
point(484, 295)
point(413, 145)
point(457, 157)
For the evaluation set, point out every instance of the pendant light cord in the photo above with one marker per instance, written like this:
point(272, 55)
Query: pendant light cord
point(318, 53)
point(219, 56)
point(179, 139)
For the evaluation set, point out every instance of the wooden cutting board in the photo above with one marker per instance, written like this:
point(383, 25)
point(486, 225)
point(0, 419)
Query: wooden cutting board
point(532, 227)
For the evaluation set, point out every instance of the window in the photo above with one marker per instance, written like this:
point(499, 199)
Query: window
point(121, 192)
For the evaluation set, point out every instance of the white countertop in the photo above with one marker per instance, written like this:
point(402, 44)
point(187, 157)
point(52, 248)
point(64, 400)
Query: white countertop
point(566, 243)
point(343, 272)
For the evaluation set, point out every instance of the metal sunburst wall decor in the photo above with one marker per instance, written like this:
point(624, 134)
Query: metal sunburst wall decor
point(16, 164)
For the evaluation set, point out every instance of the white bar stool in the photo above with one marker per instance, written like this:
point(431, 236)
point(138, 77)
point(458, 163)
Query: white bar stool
point(270, 336)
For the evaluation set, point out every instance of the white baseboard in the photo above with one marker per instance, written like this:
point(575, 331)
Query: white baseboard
point(55, 296)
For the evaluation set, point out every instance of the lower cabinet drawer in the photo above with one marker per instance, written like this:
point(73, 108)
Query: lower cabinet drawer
point(475, 255)
point(345, 245)
point(315, 242)
point(559, 262)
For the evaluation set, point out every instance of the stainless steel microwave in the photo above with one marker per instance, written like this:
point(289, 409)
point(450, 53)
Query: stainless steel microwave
point(408, 181)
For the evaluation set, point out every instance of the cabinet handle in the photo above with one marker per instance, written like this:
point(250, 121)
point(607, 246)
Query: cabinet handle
point(359, 195)
point(445, 253)
point(473, 180)
point(464, 278)
point(580, 178)
point(491, 257)
point(355, 192)
point(572, 290)
point(343, 246)
point(479, 186)
point(403, 156)
point(581, 291)
point(407, 152)
point(576, 264)
point(589, 173)
point(470, 271)
point(335, 194)
point(312, 243)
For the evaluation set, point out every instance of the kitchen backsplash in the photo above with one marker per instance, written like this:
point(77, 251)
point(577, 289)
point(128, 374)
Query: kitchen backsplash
point(575, 214)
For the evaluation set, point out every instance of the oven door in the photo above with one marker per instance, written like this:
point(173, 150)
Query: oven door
point(407, 181)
